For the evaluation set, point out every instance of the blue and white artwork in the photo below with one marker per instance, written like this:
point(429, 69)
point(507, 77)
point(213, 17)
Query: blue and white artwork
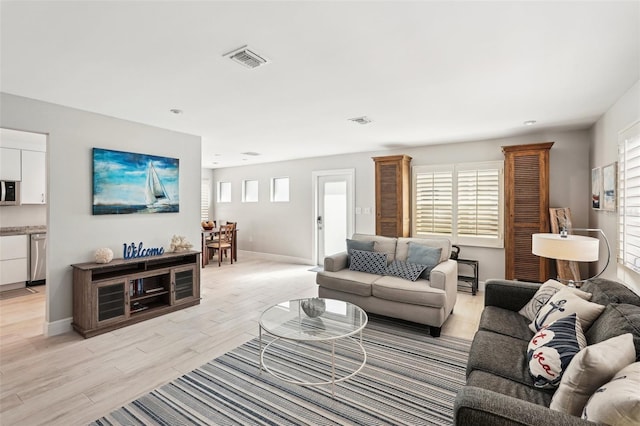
point(127, 182)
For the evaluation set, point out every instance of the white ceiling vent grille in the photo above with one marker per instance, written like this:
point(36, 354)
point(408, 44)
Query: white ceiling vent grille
point(246, 57)
point(361, 120)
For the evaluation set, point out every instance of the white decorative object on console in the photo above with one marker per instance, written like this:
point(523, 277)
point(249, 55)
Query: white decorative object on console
point(104, 255)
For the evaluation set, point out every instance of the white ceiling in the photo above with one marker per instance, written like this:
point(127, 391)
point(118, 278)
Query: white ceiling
point(423, 72)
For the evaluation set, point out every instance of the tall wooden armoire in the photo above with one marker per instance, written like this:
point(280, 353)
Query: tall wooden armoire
point(393, 195)
point(526, 188)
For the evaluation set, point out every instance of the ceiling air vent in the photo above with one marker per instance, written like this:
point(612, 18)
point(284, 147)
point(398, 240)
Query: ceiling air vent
point(361, 120)
point(246, 57)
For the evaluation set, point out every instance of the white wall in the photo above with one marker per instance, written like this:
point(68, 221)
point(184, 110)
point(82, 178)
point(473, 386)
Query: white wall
point(286, 229)
point(604, 150)
point(73, 232)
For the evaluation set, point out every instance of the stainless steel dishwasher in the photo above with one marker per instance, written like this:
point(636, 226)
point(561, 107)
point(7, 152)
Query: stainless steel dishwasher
point(38, 258)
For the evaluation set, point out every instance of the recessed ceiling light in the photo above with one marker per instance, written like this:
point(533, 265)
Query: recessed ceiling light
point(175, 111)
point(251, 153)
point(361, 120)
point(529, 122)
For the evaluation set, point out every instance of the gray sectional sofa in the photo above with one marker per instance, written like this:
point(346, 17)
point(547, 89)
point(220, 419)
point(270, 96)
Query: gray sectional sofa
point(499, 388)
point(424, 301)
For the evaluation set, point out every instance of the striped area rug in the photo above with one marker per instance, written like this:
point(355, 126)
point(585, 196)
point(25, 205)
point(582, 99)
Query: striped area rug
point(410, 378)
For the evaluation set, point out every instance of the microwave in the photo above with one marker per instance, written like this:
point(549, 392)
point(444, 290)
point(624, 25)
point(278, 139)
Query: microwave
point(9, 193)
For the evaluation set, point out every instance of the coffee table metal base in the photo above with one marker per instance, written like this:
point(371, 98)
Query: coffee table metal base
point(333, 379)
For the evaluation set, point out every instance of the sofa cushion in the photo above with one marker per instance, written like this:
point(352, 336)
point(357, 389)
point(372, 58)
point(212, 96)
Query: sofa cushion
point(501, 355)
point(402, 250)
point(424, 255)
point(357, 245)
point(504, 321)
point(563, 303)
point(414, 293)
point(591, 368)
point(606, 291)
point(347, 281)
point(552, 348)
point(542, 296)
point(406, 270)
point(381, 244)
point(617, 402)
point(488, 381)
point(368, 261)
point(616, 319)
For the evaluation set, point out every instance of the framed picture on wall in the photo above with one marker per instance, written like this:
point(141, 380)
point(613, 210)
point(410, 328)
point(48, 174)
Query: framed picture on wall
point(596, 188)
point(128, 182)
point(609, 179)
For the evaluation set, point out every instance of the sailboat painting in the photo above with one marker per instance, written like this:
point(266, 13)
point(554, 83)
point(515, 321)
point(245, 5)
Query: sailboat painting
point(127, 182)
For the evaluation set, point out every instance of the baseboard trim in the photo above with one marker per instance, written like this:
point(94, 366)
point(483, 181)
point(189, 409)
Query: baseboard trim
point(278, 257)
point(57, 327)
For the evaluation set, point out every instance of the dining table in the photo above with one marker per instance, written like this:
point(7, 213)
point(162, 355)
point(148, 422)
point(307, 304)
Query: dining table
point(209, 235)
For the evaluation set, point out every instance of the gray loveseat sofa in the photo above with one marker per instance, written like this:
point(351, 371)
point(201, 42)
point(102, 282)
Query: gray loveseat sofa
point(499, 389)
point(424, 301)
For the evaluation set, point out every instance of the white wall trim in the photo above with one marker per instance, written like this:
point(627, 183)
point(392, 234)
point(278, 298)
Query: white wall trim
point(280, 258)
point(57, 327)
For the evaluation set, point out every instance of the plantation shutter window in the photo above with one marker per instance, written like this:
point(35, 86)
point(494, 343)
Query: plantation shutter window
point(629, 197)
point(433, 201)
point(463, 202)
point(205, 198)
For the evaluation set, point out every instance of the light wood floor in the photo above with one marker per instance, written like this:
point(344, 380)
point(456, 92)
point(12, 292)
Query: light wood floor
point(67, 380)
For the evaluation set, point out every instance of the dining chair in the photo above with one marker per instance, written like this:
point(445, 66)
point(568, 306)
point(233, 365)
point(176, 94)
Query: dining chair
point(222, 242)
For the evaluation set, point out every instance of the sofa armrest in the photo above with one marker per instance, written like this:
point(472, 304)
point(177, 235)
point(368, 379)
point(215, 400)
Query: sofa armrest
point(444, 274)
point(335, 262)
point(475, 406)
point(507, 294)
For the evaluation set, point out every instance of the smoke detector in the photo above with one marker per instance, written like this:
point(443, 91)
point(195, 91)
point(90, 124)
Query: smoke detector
point(246, 57)
point(361, 120)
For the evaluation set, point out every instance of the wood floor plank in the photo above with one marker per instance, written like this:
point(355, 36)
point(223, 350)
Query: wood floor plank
point(67, 380)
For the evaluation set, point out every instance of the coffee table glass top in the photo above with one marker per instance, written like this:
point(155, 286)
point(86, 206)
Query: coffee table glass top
point(313, 319)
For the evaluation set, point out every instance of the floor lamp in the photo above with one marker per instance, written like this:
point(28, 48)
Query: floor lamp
point(565, 246)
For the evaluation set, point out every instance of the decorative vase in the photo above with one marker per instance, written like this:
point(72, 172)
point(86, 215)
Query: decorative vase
point(104, 255)
point(313, 307)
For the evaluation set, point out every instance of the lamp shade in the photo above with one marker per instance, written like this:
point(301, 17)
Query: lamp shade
point(571, 247)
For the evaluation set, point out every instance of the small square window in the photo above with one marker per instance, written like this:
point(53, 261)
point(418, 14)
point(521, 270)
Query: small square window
point(249, 191)
point(224, 192)
point(280, 189)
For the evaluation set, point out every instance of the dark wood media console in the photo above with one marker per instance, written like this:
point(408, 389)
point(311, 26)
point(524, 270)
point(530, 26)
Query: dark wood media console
point(107, 296)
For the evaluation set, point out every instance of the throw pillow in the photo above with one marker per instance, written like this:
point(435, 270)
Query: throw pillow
point(424, 255)
point(551, 349)
point(542, 296)
point(617, 402)
point(591, 368)
point(368, 261)
point(357, 245)
point(563, 303)
point(406, 270)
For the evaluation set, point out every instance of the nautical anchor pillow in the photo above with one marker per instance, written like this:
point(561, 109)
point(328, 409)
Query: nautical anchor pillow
point(563, 303)
point(552, 349)
point(617, 402)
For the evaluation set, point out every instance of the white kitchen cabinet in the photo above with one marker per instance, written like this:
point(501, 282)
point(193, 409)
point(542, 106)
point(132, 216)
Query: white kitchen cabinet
point(10, 164)
point(34, 181)
point(13, 259)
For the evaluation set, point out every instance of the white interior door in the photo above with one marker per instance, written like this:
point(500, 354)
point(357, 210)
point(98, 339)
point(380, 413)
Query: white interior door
point(334, 218)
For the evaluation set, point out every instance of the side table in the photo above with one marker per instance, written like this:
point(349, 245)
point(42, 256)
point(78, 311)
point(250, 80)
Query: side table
point(470, 279)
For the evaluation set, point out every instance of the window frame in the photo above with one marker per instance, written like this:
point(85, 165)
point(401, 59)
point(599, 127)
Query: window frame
point(274, 189)
point(245, 191)
point(628, 197)
point(220, 192)
point(454, 234)
point(205, 199)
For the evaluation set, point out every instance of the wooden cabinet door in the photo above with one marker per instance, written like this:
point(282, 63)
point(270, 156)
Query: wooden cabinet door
point(527, 209)
point(393, 195)
point(185, 283)
point(111, 300)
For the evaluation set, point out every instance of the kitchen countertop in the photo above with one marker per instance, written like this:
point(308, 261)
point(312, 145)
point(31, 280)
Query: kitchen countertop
point(22, 230)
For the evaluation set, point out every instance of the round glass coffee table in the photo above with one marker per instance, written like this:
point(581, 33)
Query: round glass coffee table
point(313, 320)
